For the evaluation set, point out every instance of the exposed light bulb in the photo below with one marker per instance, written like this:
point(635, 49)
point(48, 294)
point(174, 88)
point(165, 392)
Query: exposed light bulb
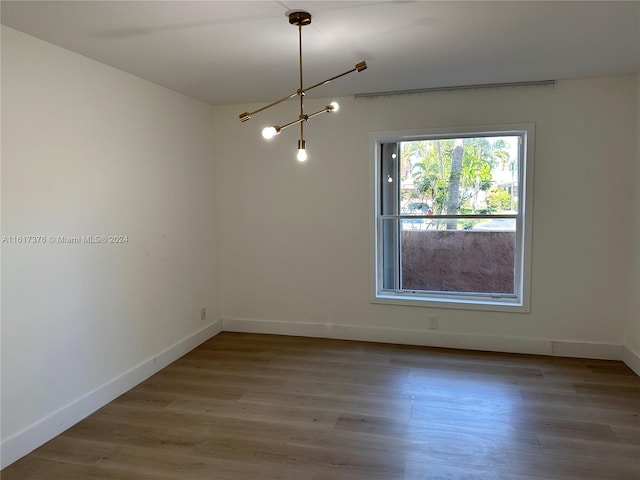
point(269, 132)
point(389, 179)
point(302, 155)
point(335, 106)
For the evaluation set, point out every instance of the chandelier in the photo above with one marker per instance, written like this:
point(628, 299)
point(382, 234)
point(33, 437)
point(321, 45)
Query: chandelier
point(300, 18)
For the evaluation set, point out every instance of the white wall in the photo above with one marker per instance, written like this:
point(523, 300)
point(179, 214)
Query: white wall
point(90, 150)
point(632, 353)
point(294, 238)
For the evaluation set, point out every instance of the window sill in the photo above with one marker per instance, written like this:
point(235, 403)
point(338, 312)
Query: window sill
point(511, 305)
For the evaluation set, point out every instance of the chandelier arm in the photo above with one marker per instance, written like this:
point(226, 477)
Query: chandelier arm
point(324, 110)
point(357, 68)
point(247, 115)
point(295, 122)
point(301, 120)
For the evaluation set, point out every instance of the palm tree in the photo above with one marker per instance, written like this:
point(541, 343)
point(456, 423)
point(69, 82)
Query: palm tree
point(454, 183)
point(446, 173)
point(429, 162)
point(481, 156)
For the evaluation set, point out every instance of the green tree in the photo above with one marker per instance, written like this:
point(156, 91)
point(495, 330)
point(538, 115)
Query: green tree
point(481, 157)
point(498, 199)
point(449, 174)
point(431, 162)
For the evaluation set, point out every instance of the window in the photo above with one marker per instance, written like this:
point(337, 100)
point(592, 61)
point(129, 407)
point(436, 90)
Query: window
point(453, 217)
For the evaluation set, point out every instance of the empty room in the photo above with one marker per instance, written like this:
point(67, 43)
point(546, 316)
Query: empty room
point(320, 240)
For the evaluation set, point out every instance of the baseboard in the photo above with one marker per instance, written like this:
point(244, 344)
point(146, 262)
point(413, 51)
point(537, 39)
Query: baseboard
point(430, 338)
point(601, 351)
point(632, 359)
point(57, 422)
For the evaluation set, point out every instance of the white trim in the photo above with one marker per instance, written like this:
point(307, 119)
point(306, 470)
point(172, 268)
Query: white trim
point(535, 346)
point(391, 335)
point(631, 358)
point(459, 302)
point(521, 304)
point(602, 351)
point(57, 422)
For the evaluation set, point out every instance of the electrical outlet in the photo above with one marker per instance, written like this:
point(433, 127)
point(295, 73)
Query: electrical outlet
point(433, 322)
point(203, 314)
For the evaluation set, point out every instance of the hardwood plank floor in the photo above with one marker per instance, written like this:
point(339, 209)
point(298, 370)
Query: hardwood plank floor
point(262, 407)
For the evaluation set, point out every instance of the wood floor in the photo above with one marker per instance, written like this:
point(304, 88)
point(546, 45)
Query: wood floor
point(258, 407)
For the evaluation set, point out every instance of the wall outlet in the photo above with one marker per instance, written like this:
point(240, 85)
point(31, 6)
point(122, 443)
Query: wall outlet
point(433, 322)
point(203, 314)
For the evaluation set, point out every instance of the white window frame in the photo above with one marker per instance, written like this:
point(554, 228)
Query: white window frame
point(521, 301)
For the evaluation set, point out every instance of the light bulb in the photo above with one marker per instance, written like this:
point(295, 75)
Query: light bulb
point(302, 155)
point(335, 106)
point(389, 179)
point(268, 133)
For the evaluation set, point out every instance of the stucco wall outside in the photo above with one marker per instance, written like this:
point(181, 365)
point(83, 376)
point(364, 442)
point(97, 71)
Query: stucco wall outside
point(458, 260)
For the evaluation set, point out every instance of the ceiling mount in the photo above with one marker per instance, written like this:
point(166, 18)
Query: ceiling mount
point(300, 18)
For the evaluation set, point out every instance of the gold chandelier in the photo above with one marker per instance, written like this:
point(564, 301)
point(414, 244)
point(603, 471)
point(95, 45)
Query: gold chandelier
point(300, 18)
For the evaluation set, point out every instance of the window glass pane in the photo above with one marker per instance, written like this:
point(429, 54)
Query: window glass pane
point(459, 176)
point(389, 185)
point(389, 252)
point(458, 233)
point(475, 260)
point(480, 224)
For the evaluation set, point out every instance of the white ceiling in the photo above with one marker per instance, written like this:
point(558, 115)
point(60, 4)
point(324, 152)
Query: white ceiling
point(226, 52)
